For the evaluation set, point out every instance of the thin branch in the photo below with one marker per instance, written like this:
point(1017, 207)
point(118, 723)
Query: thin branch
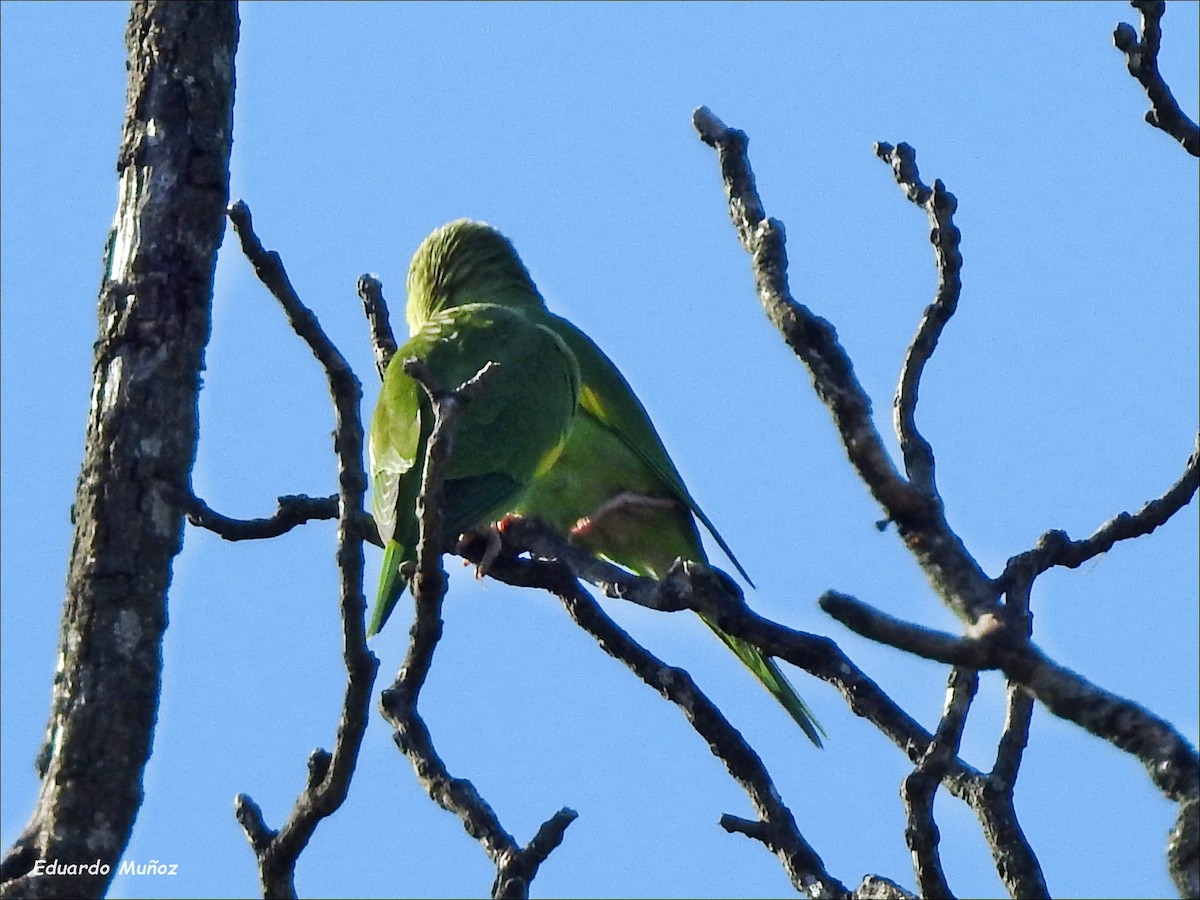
point(1055, 548)
point(698, 588)
point(939, 646)
point(1141, 58)
point(329, 774)
point(939, 205)
point(989, 796)
point(997, 635)
point(1016, 863)
point(1015, 736)
point(918, 514)
point(993, 801)
point(370, 290)
point(292, 510)
point(1171, 761)
point(777, 828)
point(515, 873)
point(921, 831)
point(515, 866)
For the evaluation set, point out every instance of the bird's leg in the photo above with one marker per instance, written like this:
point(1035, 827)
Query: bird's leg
point(625, 501)
point(491, 534)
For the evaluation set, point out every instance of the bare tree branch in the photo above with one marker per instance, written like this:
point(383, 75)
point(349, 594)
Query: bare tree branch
point(702, 589)
point(1055, 548)
point(993, 802)
point(997, 635)
point(1171, 761)
point(328, 774)
point(292, 510)
point(1015, 736)
point(921, 831)
point(515, 866)
point(695, 588)
point(376, 310)
point(952, 571)
point(776, 828)
point(939, 204)
point(1141, 58)
point(876, 625)
point(155, 312)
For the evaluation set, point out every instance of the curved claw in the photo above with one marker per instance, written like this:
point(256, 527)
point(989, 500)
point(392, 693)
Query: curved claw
point(491, 534)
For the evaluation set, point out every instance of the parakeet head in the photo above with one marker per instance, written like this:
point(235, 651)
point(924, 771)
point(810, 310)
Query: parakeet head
point(466, 262)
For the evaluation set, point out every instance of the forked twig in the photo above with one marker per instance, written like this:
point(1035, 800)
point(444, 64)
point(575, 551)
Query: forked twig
point(1141, 58)
point(516, 866)
point(329, 774)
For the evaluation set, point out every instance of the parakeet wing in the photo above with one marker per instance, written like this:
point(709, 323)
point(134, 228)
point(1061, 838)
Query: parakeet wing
point(510, 431)
point(595, 466)
point(607, 396)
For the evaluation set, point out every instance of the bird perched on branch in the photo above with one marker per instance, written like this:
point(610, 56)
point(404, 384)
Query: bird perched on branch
point(510, 431)
point(612, 488)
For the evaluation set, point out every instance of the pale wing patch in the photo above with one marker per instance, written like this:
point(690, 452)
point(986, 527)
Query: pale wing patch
point(384, 493)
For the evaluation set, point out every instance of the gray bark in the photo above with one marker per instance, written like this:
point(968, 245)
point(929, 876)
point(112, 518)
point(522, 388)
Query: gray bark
point(154, 322)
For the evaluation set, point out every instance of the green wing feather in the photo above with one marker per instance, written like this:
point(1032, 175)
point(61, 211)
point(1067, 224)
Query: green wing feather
point(513, 428)
point(600, 461)
point(607, 396)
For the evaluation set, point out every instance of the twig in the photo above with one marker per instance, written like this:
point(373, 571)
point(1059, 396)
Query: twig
point(557, 564)
point(1141, 58)
point(1055, 548)
point(939, 646)
point(1171, 761)
point(918, 514)
point(940, 205)
point(329, 774)
point(993, 801)
point(292, 510)
point(685, 588)
point(515, 866)
point(376, 310)
point(988, 795)
point(1014, 738)
point(776, 828)
point(917, 792)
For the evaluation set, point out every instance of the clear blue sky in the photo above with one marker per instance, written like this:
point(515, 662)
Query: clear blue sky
point(1064, 392)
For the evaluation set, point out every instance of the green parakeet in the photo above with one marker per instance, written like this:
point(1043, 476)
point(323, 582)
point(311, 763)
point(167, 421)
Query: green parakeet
point(511, 430)
point(613, 488)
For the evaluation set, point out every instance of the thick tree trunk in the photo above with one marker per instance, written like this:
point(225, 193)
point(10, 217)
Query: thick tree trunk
point(155, 302)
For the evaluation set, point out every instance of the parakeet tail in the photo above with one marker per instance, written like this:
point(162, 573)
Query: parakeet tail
point(391, 586)
point(768, 672)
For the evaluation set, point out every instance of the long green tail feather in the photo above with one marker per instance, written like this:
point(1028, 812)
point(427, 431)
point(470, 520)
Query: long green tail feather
point(391, 586)
point(767, 671)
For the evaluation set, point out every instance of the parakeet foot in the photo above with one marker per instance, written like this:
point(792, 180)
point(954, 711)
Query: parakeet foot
point(626, 501)
point(491, 534)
